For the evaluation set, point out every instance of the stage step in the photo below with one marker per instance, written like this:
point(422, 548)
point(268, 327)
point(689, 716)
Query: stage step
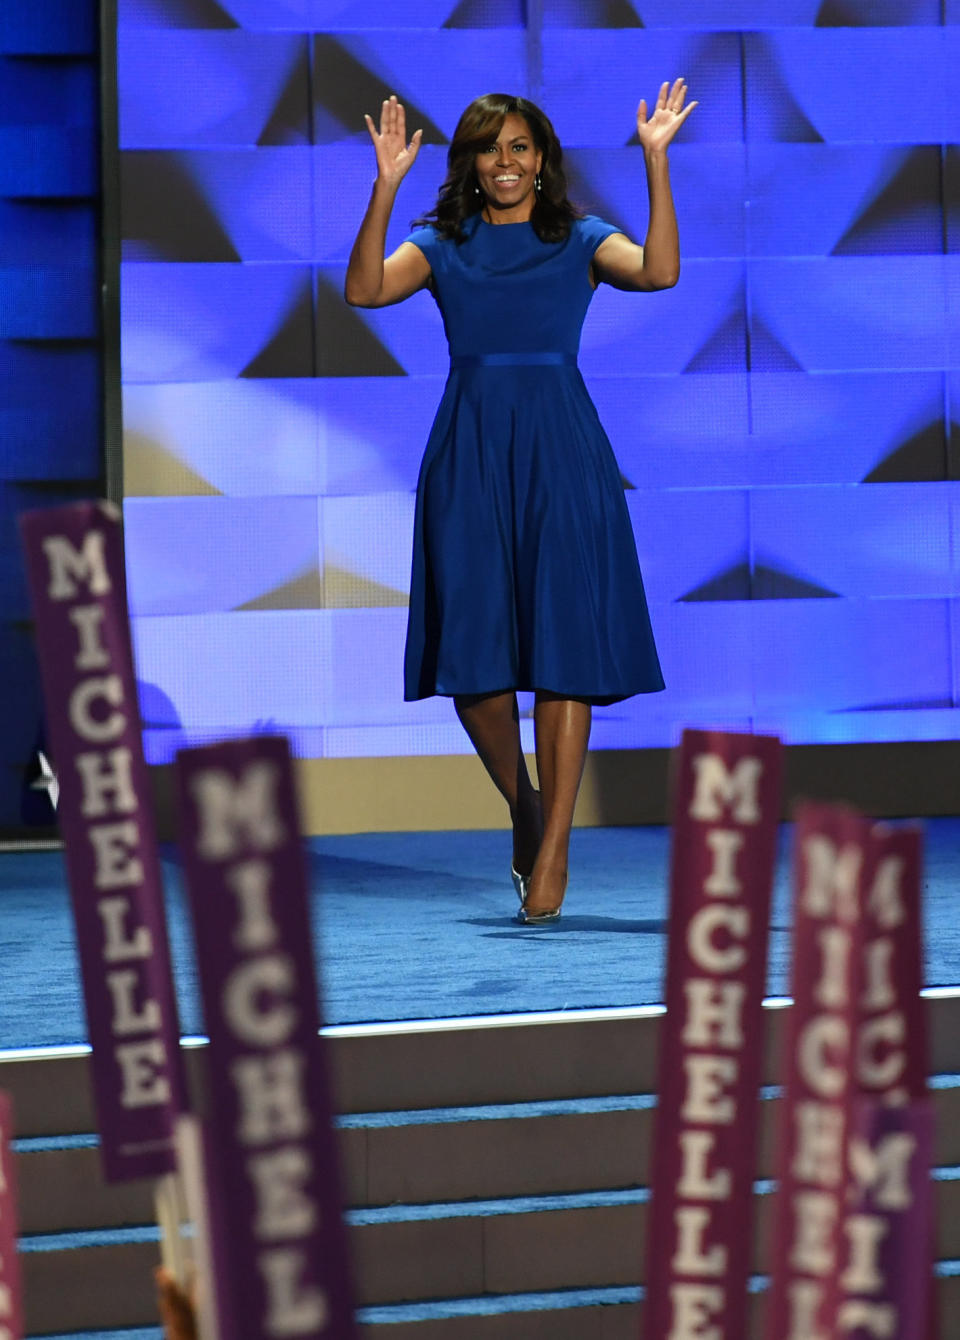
point(460, 1154)
point(525, 1183)
point(601, 1314)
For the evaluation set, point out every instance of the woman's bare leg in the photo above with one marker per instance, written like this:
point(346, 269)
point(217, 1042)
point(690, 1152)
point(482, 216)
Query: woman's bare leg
point(492, 720)
point(563, 732)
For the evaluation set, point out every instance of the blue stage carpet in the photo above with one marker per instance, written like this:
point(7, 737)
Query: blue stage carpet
point(418, 925)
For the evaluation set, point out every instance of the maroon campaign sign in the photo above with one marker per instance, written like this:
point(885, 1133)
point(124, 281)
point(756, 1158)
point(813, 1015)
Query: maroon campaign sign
point(725, 815)
point(75, 567)
point(886, 1266)
point(273, 1174)
point(11, 1299)
point(830, 856)
point(892, 1058)
point(887, 1275)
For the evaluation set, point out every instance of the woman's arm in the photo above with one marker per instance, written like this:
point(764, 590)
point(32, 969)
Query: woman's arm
point(656, 264)
point(372, 280)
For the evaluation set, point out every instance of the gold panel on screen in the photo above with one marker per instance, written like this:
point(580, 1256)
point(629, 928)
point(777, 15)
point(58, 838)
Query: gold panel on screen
point(343, 589)
point(151, 470)
point(303, 592)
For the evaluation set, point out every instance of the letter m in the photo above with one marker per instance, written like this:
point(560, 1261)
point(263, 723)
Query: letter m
point(68, 566)
point(831, 886)
point(231, 809)
point(716, 788)
point(884, 1170)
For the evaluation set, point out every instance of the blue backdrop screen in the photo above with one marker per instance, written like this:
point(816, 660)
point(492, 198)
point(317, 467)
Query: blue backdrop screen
point(782, 418)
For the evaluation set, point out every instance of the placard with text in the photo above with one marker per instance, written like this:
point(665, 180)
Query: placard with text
point(725, 814)
point(76, 573)
point(853, 1232)
point(272, 1165)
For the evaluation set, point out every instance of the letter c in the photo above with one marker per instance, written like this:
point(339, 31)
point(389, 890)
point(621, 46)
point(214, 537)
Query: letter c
point(110, 689)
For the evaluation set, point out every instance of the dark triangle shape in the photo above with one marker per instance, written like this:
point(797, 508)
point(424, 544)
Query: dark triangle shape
point(774, 584)
point(767, 354)
point(166, 215)
point(346, 346)
point(906, 214)
point(619, 14)
point(951, 192)
point(487, 14)
point(289, 121)
point(344, 89)
point(838, 14)
point(918, 705)
point(922, 457)
point(763, 583)
point(626, 485)
point(864, 14)
point(594, 14)
point(726, 348)
point(195, 14)
point(783, 118)
point(732, 584)
point(289, 351)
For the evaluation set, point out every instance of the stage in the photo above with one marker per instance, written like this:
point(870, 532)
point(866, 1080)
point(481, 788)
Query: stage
point(418, 926)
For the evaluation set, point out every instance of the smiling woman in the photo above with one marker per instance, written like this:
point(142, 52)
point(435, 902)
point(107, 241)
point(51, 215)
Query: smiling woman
point(509, 170)
point(525, 573)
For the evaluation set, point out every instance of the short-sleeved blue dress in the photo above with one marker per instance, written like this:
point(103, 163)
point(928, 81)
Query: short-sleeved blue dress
point(525, 571)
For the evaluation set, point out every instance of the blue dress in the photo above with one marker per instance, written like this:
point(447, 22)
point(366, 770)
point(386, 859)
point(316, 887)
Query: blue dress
point(525, 572)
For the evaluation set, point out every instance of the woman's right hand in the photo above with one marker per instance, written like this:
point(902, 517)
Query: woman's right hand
point(395, 157)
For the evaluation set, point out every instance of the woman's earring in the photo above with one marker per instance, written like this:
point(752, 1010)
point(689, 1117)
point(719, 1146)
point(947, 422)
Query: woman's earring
point(477, 191)
point(536, 183)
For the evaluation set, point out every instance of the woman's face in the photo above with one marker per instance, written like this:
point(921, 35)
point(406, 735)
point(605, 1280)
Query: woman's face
point(506, 172)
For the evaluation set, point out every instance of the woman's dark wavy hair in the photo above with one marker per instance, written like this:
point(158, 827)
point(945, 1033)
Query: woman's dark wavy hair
point(479, 126)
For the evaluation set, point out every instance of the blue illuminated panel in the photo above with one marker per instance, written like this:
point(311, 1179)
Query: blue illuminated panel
point(50, 364)
point(781, 418)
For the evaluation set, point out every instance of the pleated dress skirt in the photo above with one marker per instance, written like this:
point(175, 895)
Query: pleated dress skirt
point(525, 571)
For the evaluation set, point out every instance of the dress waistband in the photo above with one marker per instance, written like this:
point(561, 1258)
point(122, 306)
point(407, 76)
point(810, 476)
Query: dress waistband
point(533, 359)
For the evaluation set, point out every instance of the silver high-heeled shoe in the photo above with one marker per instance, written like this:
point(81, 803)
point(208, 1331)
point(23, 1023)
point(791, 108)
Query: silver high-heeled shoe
point(519, 883)
point(526, 918)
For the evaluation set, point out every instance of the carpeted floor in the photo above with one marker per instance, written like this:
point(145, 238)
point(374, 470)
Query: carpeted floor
point(418, 925)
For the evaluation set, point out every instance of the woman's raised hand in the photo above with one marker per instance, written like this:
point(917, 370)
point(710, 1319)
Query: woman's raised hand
point(668, 116)
point(395, 156)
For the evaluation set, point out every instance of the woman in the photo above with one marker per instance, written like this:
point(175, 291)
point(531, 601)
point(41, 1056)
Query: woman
point(525, 574)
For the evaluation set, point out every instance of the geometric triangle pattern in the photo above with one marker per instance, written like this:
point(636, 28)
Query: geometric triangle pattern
point(345, 342)
point(773, 109)
point(757, 582)
point(344, 89)
point(486, 14)
point(594, 14)
point(905, 214)
point(923, 456)
point(288, 352)
point(207, 14)
point(304, 591)
point(877, 13)
point(725, 348)
point(166, 215)
point(152, 470)
point(274, 433)
point(289, 118)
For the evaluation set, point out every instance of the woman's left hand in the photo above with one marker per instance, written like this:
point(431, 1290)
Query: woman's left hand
point(656, 133)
